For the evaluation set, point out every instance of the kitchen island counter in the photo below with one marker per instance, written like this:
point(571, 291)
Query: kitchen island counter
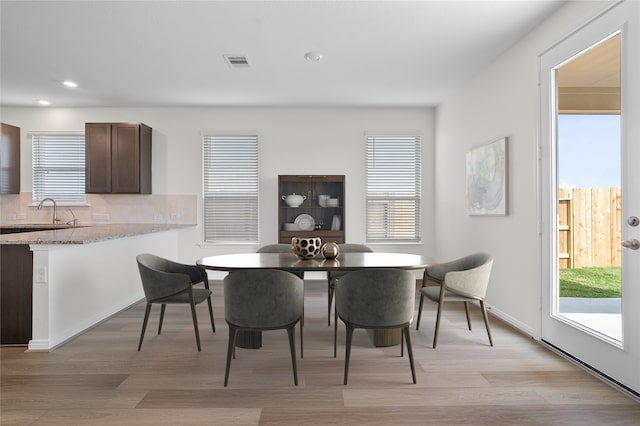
point(80, 234)
point(73, 278)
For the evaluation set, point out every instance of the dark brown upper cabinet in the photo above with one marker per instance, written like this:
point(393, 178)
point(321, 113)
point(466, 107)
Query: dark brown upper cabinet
point(118, 158)
point(10, 160)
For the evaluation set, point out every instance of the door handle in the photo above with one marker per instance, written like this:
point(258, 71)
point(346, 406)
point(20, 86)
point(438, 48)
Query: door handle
point(633, 244)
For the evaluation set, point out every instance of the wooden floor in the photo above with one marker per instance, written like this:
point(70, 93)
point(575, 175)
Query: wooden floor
point(100, 379)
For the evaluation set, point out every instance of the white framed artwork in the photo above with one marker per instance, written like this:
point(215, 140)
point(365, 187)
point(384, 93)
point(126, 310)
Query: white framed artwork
point(487, 180)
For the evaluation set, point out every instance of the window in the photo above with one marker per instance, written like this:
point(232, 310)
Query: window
point(230, 169)
point(394, 179)
point(58, 168)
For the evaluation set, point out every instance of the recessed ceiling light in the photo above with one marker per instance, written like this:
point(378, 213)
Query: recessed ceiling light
point(313, 56)
point(69, 83)
point(43, 102)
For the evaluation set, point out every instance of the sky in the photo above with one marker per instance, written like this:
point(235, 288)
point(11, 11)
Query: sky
point(588, 151)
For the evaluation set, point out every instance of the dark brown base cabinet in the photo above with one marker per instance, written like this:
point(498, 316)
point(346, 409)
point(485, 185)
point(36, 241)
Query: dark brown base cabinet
point(327, 220)
point(16, 290)
point(118, 158)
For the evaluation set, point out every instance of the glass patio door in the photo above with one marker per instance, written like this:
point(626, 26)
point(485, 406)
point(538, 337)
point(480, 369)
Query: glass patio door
point(590, 195)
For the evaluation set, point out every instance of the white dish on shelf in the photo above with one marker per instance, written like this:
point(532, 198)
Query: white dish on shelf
point(305, 222)
point(291, 227)
point(335, 223)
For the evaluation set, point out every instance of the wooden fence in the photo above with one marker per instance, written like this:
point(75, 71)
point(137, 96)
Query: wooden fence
point(589, 227)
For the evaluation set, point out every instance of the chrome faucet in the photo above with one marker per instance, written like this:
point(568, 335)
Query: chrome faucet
point(55, 209)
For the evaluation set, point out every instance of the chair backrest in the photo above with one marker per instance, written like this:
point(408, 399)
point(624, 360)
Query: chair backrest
point(354, 248)
point(156, 281)
point(376, 297)
point(262, 298)
point(196, 273)
point(275, 248)
point(471, 277)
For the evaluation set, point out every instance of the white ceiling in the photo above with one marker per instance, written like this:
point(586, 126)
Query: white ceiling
point(170, 53)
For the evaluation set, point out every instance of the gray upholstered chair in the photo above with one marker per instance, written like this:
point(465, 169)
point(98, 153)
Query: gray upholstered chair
point(166, 282)
point(376, 299)
point(462, 280)
point(258, 300)
point(286, 248)
point(332, 276)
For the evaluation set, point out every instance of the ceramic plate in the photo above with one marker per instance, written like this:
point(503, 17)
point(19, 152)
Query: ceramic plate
point(305, 222)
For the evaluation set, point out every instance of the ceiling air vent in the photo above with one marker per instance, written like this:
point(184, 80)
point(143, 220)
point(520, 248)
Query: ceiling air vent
point(237, 61)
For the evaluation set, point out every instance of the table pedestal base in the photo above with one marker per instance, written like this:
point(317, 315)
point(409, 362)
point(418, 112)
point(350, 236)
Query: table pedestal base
point(249, 339)
point(385, 337)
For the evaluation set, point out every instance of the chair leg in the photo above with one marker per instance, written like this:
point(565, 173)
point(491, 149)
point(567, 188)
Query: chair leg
point(206, 285)
point(347, 354)
point(407, 336)
point(230, 350)
point(440, 305)
point(292, 346)
point(164, 306)
point(144, 325)
point(213, 324)
point(466, 311)
point(330, 301)
point(419, 311)
point(195, 325)
point(486, 321)
point(335, 334)
point(401, 344)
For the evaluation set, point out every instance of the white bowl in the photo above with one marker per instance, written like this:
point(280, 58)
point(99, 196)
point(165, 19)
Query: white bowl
point(294, 200)
point(332, 202)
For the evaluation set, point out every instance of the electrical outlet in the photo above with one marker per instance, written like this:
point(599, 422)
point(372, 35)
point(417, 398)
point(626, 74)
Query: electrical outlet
point(157, 216)
point(41, 274)
point(175, 216)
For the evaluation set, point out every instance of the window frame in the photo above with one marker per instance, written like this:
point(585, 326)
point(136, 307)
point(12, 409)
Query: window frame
point(404, 232)
point(247, 181)
point(76, 197)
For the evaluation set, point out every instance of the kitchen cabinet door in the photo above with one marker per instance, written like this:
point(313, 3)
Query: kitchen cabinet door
point(10, 160)
point(118, 158)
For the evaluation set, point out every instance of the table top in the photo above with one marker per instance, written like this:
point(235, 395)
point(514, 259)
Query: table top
point(291, 262)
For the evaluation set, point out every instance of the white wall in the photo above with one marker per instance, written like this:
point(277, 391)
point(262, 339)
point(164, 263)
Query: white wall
point(292, 141)
point(500, 101)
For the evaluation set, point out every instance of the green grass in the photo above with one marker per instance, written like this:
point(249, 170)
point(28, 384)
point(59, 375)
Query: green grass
point(591, 282)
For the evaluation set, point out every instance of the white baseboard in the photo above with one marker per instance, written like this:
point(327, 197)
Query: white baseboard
point(518, 325)
point(70, 334)
point(38, 346)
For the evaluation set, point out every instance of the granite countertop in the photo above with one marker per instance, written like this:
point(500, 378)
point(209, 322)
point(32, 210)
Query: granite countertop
point(80, 234)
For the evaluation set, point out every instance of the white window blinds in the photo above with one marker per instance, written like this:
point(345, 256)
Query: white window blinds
point(394, 176)
point(230, 172)
point(58, 167)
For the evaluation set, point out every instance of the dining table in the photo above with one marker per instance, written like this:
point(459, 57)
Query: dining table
point(292, 263)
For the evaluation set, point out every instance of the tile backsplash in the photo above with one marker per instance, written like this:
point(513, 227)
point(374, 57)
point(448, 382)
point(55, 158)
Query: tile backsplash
point(108, 208)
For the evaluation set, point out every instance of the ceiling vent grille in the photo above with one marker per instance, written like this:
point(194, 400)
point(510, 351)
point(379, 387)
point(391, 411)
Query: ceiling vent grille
point(237, 61)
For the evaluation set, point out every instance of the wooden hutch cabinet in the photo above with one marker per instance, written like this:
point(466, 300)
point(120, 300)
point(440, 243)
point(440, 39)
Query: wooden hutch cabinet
point(321, 213)
point(118, 158)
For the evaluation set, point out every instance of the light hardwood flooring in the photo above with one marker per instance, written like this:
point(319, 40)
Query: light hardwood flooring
point(100, 379)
